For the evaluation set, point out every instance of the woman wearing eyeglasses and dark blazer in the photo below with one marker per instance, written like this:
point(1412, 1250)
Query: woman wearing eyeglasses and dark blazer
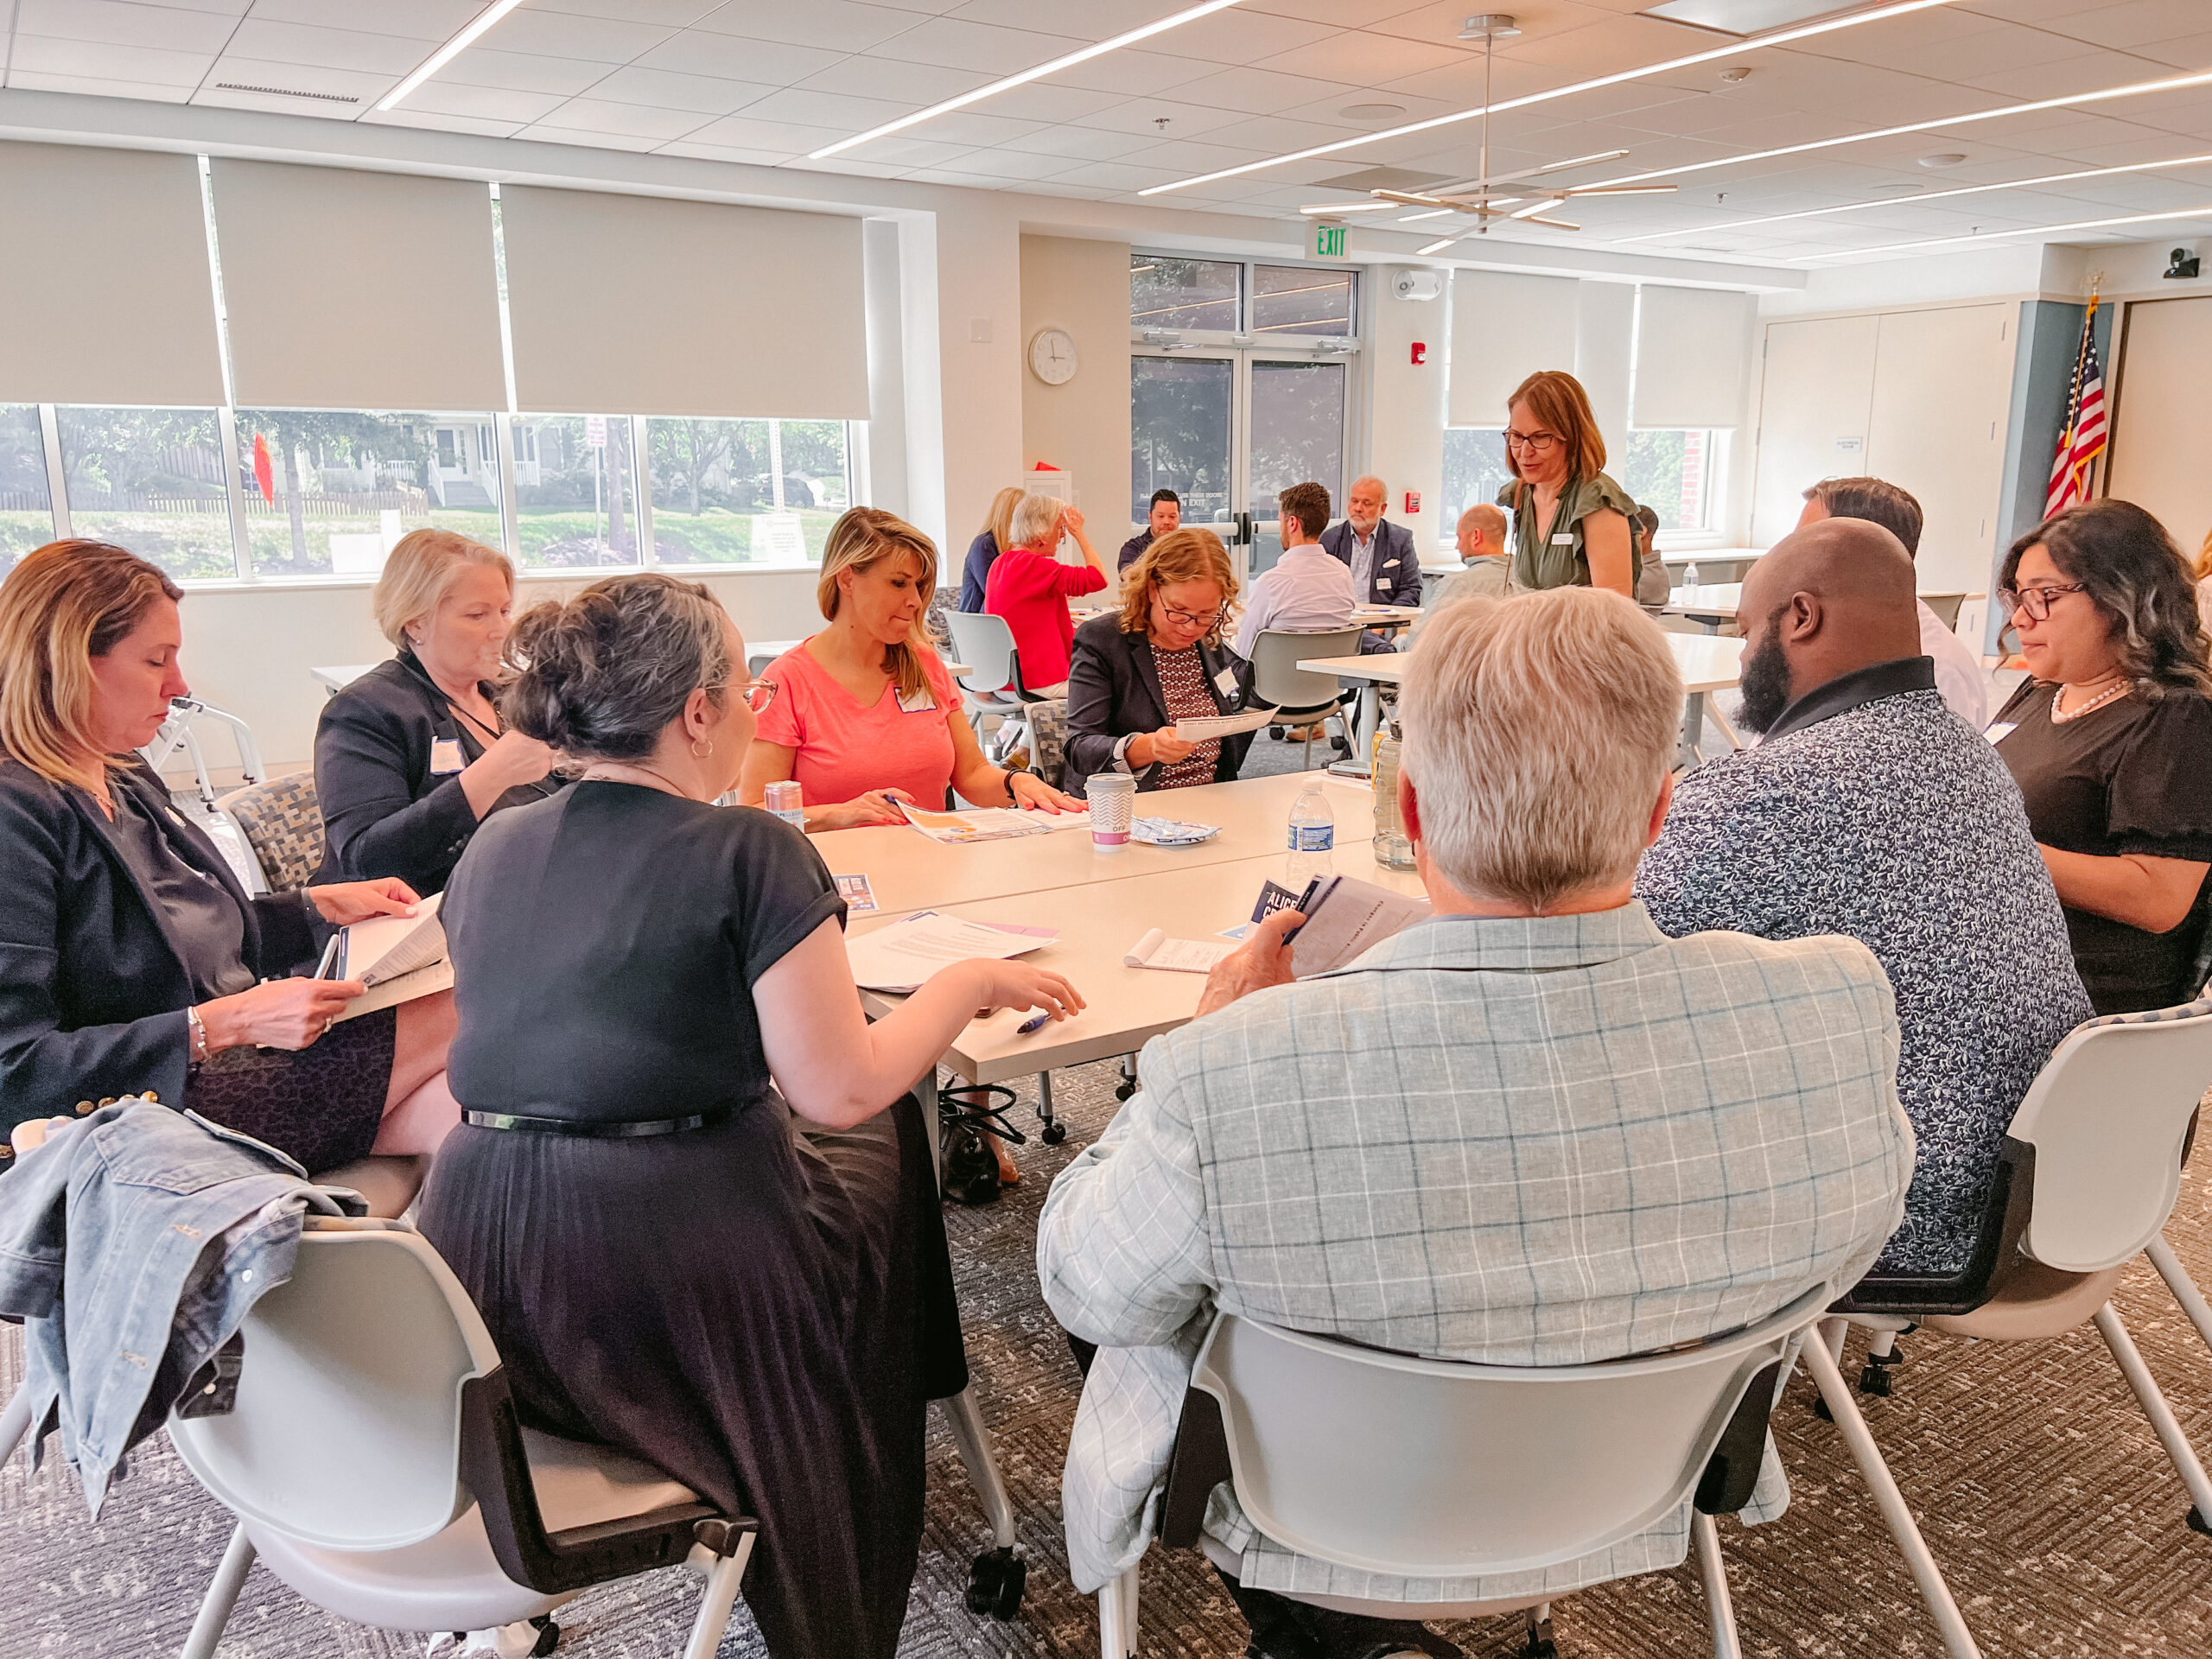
point(1158, 660)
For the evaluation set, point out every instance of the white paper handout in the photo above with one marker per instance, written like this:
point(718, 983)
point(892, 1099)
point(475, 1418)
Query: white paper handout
point(900, 956)
point(1156, 950)
point(1199, 727)
point(384, 947)
point(990, 824)
point(1345, 918)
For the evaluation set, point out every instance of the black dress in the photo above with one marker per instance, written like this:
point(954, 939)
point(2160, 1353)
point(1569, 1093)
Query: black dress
point(761, 1312)
point(2131, 776)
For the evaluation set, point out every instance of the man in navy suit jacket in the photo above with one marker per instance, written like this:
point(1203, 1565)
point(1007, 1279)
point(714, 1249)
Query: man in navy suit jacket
point(1385, 568)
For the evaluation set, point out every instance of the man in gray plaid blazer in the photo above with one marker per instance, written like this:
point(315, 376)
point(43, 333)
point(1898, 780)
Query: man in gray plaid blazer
point(1530, 1129)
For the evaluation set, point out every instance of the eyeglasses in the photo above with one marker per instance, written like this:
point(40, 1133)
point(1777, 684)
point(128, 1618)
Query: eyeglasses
point(2036, 601)
point(1536, 443)
point(1191, 618)
point(758, 695)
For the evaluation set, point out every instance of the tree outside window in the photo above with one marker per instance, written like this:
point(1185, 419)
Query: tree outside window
point(26, 507)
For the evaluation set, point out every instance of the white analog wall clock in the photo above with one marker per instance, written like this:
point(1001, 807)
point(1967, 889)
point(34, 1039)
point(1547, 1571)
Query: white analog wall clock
point(1051, 356)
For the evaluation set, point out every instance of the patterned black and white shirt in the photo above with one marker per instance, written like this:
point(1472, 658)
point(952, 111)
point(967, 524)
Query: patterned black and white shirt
point(1871, 811)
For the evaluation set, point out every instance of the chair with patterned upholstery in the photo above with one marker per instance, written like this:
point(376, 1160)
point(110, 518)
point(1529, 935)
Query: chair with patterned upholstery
point(1048, 739)
point(282, 822)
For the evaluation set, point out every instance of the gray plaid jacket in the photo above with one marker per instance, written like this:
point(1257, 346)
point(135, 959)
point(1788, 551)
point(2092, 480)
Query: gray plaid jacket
point(1540, 1142)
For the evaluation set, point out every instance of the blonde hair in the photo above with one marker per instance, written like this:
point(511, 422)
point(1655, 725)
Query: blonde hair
point(423, 566)
point(2202, 566)
point(862, 539)
point(1556, 399)
point(998, 523)
point(1191, 553)
point(1035, 517)
point(63, 605)
point(1537, 732)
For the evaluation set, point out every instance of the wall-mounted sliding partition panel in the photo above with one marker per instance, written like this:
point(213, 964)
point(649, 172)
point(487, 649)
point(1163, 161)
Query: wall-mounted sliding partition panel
point(2161, 430)
point(347, 290)
point(635, 305)
point(106, 292)
point(1690, 349)
point(1504, 327)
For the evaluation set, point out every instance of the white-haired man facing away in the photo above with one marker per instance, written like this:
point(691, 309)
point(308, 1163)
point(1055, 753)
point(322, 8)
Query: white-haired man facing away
point(1509, 1070)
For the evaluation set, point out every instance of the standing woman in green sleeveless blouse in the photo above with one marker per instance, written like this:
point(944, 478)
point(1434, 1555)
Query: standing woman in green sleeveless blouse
point(1570, 521)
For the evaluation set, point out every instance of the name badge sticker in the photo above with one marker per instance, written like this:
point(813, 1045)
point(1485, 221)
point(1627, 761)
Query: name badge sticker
point(445, 755)
point(917, 702)
point(2002, 730)
point(1564, 540)
point(1225, 682)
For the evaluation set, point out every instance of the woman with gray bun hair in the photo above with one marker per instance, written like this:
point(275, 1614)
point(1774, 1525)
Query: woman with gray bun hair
point(691, 1191)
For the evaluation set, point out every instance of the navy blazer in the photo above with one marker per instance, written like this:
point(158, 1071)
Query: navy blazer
point(384, 812)
point(1113, 689)
point(92, 987)
point(1396, 577)
point(982, 552)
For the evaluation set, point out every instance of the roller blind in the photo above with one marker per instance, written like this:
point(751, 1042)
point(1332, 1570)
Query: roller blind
point(357, 290)
point(633, 305)
point(1689, 356)
point(104, 291)
point(1504, 327)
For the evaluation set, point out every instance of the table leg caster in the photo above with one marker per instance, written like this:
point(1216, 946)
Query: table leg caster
point(1054, 1132)
point(548, 1635)
point(996, 1581)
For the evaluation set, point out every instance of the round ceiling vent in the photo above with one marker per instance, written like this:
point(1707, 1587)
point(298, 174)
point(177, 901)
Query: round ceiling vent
point(1938, 162)
point(1373, 115)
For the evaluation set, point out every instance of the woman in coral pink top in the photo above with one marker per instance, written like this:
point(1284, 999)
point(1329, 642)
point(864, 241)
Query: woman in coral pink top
point(1031, 589)
point(865, 715)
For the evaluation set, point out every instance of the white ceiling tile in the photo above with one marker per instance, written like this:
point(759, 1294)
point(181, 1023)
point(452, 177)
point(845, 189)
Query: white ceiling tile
point(699, 52)
point(98, 86)
point(1243, 36)
point(556, 34)
point(973, 128)
point(906, 83)
point(630, 120)
point(846, 115)
point(1237, 89)
point(521, 71)
point(420, 20)
point(1083, 143)
point(1114, 176)
point(113, 23)
point(1047, 100)
point(676, 14)
point(590, 140)
point(957, 44)
point(153, 65)
point(665, 89)
point(1340, 13)
point(753, 132)
point(1006, 164)
point(1144, 116)
point(845, 164)
point(839, 25)
point(1060, 187)
point(300, 77)
point(1368, 60)
point(327, 48)
point(1083, 20)
point(487, 104)
point(899, 150)
point(2082, 69)
point(1135, 71)
point(726, 153)
point(404, 117)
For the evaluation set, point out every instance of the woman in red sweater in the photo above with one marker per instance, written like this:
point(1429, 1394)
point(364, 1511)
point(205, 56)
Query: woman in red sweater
point(1031, 589)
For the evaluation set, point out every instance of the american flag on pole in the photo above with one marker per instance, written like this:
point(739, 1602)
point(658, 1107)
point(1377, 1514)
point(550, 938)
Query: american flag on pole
point(2081, 439)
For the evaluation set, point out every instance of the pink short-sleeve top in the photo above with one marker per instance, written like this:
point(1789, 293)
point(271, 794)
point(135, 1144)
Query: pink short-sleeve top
point(845, 750)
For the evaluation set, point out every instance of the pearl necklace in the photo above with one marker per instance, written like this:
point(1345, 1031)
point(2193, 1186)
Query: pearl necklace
point(2059, 717)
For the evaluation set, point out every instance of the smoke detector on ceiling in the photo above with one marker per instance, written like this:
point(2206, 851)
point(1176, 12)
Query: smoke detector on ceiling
point(1736, 74)
point(1937, 163)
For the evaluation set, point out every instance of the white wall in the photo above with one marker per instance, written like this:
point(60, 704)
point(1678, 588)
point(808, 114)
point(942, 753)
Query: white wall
point(1404, 405)
point(2161, 432)
point(1083, 287)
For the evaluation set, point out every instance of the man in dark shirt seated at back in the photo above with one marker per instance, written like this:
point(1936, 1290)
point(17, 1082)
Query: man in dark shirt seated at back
point(1869, 809)
point(1167, 518)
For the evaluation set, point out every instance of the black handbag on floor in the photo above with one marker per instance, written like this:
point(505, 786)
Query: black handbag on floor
point(965, 1111)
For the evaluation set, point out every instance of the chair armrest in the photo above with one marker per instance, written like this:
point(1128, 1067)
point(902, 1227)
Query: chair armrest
point(1734, 1469)
point(1200, 1463)
point(496, 1469)
point(1996, 1252)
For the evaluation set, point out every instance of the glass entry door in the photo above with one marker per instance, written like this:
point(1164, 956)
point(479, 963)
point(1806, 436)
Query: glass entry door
point(1227, 431)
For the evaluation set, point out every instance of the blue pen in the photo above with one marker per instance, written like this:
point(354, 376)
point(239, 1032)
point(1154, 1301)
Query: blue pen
point(1031, 1027)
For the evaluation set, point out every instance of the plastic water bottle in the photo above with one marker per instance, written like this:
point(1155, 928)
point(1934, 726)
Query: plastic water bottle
point(1392, 850)
point(1312, 838)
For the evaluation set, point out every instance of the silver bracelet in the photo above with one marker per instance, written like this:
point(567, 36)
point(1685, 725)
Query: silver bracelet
point(196, 1030)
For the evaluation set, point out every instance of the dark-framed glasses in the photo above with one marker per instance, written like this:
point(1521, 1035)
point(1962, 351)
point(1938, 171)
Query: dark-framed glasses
point(2036, 601)
point(1199, 619)
point(758, 695)
point(1536, 443)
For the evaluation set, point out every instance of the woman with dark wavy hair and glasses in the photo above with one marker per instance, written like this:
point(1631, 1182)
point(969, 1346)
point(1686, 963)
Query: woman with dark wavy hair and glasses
point(2110, 740)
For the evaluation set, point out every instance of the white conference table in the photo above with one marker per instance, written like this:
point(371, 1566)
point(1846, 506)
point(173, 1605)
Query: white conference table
point(1707, 663)
point(334, 679)
point(1713, 605)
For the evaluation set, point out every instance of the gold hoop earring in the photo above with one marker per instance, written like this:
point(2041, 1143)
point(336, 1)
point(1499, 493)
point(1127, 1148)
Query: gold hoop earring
point(700, 753)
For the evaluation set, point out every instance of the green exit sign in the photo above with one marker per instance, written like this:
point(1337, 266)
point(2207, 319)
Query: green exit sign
point(1329, 241)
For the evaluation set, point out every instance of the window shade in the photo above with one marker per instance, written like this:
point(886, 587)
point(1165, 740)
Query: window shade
point(634, 305)
point(1504, 327)
point(357, 290)
point(105, 289)
point(1689, 356)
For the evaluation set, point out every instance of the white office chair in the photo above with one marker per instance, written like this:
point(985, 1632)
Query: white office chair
point(1301, 698)
point(177, 733)
point(370, 1451)
point(2088, 1175)
point(1425, 1468)
point(992, 684)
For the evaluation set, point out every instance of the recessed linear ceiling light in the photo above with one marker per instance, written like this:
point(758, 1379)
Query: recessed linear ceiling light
point(2009, 235)
point(1330, 209)
point(1733, 49)
point(2136, 89)
point(1922, 195)
point(471, 32)
point(1741, 17)
point(1027, 75)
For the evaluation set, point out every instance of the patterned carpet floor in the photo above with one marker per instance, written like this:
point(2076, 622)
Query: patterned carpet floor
point(2040, 1487)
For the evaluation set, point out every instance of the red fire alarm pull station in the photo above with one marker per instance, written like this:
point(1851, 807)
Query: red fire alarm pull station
point(1420, 353)
point(1413, 500)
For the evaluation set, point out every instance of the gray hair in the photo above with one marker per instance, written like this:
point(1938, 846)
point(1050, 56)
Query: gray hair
point(1036, 517)
point(1537, 730)
point(601, 676)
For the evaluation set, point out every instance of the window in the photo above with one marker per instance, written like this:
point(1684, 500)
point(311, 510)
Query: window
point(150, 480)
point(1186, 292)
point(1676, 473)
point(1302, 300)
point(746, 491)
point(328, 492)
point(1474, 472)
point(26, 506)
point(576, 501)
